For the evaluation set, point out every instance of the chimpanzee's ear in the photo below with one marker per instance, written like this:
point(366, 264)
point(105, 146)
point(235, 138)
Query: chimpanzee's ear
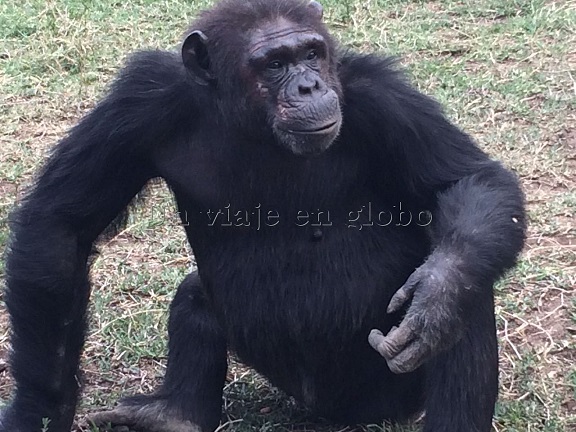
point(316, 9)
point(195, 57)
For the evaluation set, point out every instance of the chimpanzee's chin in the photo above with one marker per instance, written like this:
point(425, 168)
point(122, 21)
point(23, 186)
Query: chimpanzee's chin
point(306, 145)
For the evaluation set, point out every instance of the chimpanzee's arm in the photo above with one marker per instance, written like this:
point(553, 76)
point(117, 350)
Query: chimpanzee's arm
point(92, 175)
point(478, 219)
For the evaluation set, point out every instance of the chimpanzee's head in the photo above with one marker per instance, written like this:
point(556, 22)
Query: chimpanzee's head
point(272, 68)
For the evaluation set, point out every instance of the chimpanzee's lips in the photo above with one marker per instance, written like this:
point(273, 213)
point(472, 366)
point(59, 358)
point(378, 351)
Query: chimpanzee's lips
point(325, 129)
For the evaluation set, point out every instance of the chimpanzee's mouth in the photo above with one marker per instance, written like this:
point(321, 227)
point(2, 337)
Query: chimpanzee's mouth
point(325, 129)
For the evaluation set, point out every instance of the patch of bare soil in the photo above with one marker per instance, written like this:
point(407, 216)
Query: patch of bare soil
point(8, 189)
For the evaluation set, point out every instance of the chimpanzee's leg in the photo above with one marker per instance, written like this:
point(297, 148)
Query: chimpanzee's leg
point(368, 392)
point(457, 388)
point(190, 399)
point(462, 384)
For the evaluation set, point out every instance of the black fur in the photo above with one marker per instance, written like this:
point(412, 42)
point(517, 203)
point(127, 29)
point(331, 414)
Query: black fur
point(295, 302)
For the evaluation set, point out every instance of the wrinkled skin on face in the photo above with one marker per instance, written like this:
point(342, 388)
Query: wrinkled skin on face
point(291, 68)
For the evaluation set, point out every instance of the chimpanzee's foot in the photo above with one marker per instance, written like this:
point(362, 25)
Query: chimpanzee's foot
point(190, 398)
point(143, 414)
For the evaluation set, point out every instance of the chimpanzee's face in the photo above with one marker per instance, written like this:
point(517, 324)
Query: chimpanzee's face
point(291, 66)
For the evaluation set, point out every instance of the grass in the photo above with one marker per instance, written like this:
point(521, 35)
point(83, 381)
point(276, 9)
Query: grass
point(504, 70)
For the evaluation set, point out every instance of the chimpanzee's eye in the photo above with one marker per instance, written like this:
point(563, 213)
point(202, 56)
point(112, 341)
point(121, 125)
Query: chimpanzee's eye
point(275, 64)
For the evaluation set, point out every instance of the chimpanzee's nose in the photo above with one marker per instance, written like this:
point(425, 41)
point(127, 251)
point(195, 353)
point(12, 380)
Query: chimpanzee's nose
point(307, 85)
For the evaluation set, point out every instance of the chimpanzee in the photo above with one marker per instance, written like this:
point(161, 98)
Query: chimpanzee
point(347, 235)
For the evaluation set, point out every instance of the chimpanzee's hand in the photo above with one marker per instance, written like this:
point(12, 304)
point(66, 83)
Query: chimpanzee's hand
point(434, 321)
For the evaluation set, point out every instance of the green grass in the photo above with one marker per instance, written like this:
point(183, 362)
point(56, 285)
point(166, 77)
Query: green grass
point(504, 70)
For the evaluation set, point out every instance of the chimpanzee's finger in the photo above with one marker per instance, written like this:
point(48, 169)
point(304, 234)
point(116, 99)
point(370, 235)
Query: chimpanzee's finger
point(394, 342)
point(404, 294)
point(410, 359)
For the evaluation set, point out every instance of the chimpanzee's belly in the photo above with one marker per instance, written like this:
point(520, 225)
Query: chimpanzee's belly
point(293, 305)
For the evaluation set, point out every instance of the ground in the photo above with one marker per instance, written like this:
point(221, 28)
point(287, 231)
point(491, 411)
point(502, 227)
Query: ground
point(505, 71)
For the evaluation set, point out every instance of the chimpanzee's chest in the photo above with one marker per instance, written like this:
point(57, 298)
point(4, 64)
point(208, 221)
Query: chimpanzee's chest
point(299, 250)
point(303, 273)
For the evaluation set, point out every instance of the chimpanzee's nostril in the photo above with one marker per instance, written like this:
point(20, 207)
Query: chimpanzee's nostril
point(308, 87)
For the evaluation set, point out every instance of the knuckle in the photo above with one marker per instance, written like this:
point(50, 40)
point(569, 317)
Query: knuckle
point(399, 367)
point(387, 348)
point(375, 337)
